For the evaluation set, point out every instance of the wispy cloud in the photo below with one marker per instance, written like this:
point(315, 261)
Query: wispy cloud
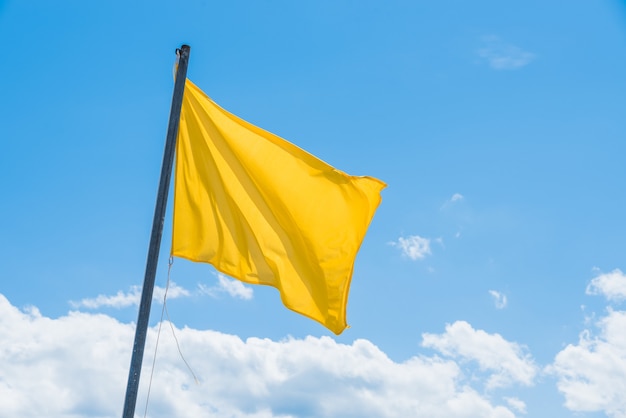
point(130, 298)
point(234, 288)
point(610, 285)
point(501, 55)
point(121, 299)
point(457, 197)
point(499, 299)
point(413, 246)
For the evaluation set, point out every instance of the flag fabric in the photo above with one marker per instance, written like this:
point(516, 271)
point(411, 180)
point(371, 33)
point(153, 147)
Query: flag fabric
point(264, 211)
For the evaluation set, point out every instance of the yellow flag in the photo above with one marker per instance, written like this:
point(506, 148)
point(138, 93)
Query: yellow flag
point(264, 211)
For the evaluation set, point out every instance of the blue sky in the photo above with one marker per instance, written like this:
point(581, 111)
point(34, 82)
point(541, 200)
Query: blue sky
point(490, 283)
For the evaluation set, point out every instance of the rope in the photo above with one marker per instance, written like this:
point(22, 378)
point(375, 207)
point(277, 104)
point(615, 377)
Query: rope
point(178, 346)
point(156, 346)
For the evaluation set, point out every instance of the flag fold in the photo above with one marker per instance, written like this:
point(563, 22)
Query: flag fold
point(264, 211)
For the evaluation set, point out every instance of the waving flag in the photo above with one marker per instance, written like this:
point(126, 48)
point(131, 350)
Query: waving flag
point(264, 211)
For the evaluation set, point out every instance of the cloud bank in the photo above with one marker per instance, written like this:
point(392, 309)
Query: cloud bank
point(76, 366)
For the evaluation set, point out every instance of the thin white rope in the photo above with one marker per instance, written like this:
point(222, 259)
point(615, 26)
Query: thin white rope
point(166, 312)
point(178, 346)
point(156, 346)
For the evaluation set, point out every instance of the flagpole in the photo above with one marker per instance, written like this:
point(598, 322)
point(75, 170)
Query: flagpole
point(157, 232)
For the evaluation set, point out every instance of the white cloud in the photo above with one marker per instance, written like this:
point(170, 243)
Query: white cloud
point(131, 298)
point(173, 292)
point(517, 404)
point(503, 56)
point(119, 300)
point(456, 197)
point(499, 299)
point(592, 374)
point(77, 365)
point(414, 246)
point(234, 288)
point(611, 285)
point(507, 360)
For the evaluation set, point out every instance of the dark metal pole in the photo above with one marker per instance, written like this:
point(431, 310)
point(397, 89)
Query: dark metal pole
point(155, 239)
